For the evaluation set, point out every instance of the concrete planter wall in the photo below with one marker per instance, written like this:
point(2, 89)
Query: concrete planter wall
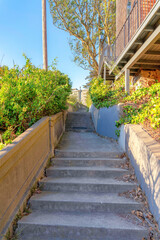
point(23, 162)
point(144, 153)
point(104, 120)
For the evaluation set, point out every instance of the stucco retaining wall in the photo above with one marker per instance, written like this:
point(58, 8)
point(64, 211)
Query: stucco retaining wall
point(23, 162)
point(144, 153)
point(104, 120)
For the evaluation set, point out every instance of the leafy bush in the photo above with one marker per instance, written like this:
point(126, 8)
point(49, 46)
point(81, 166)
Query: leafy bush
point(27, 94)
point(143, 105)
point(103, 95)
point(88, 100)
point(2, 146)
point(72, 100)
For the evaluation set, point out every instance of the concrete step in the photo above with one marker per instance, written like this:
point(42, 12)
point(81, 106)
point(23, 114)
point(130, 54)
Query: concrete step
point(78, 226)
point(76, 124)
point(79, 122)
point(89, 154)
point(84, 202)
point(79, 129)
point(87, 162)
point(93, 171)
point(107, 185)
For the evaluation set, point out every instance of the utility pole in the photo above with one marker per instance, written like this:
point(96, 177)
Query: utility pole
point(44, 35)
point(100, 40)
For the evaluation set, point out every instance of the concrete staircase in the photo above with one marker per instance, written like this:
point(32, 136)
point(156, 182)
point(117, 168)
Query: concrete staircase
point(80, 199)
point(79, 121)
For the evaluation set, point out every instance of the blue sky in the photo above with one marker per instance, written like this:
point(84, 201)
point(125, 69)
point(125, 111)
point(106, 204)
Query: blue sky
point(21, 32)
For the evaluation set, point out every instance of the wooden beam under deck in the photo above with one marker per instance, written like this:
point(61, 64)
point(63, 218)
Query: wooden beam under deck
point(138, 42)
point(153, 39)
point(157, 42)
point(149, 29)
point(153, 53)
point(145, 61)
point(134, 70)
point(147, 67)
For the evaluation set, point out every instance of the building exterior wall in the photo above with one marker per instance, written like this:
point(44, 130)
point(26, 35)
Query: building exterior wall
point(121, 13)
point(80, 95)
point(146, 7)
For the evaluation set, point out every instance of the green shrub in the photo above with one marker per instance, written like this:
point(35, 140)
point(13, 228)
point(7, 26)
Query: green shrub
point(103, 95)
point(140, 106)
point(72, 100)
point(146, 106)
point(28, 94)
point(88, 100)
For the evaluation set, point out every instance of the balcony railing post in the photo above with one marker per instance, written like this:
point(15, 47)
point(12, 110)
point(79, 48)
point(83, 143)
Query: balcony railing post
point(124, 36)
point(127, 75)
point(104, 74)
point(142, 10)
point(128, 28)
point(137, 15)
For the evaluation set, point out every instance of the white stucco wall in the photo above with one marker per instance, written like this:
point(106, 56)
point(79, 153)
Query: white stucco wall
point(104, 120)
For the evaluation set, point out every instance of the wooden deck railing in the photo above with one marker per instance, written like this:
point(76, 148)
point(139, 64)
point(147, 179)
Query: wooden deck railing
point(137, 16)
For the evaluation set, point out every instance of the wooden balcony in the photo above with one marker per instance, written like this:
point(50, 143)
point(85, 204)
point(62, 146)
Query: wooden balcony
point(142, 23)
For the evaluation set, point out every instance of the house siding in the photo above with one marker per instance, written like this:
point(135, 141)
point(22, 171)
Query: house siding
point(121, 13)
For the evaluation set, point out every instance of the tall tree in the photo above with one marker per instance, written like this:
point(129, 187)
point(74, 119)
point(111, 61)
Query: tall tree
point(44, 35)
point(90, 23)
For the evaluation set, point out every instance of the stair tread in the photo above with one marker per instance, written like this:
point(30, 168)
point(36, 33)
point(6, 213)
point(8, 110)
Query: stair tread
point(82, 197)
point(97, 168)
point(83, 180)
point(84, 220)
point(88, 151)
point(83, 159)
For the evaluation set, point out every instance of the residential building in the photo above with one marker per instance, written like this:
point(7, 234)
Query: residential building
point(136, 50)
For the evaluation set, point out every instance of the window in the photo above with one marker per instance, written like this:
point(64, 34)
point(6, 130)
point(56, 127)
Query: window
point(128, 7)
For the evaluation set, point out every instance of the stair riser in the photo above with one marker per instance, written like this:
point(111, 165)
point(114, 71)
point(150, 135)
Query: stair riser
point(79, 120)
point(71, 187)
point(78, 130)
point(86, 207)
point(79, 123)
point(40, 232)
point(84, 173)
point(75, 122)
point(79, 126)
point(87, 163)
point(82, 124)
point(63, 154)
